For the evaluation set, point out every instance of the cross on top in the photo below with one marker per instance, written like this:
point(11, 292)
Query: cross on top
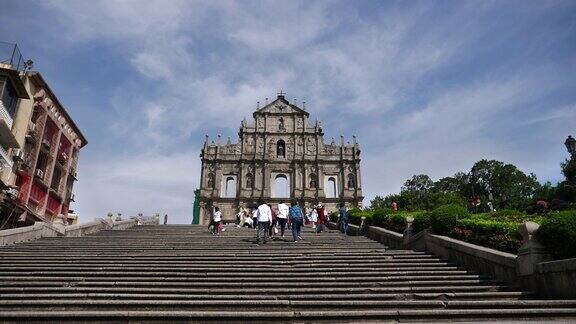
point(281, 94)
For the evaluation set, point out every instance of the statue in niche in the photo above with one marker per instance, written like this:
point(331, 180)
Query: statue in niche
point(249, 145)
point(210, 181)
point(312, 180)
point(281, 126)
point(351, 181)
point(281, 149)
point(249, 180)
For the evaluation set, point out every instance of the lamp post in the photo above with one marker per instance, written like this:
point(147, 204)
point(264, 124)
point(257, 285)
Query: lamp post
point(571, 145)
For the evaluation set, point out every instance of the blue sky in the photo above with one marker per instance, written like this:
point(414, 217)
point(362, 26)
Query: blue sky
point(427, 86)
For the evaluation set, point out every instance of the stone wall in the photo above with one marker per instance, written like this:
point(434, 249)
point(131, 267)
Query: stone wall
point(41, 229)
point(530, 269)
point(557, 278)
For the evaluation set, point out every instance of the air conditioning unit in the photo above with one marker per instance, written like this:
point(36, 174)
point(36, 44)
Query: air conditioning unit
point(46, 143)
point(31, 127)
point(13, 192)
point(17, 154)
point(40, 173)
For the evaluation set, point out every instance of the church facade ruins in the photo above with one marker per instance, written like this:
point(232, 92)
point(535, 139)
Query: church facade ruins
point(281, 156)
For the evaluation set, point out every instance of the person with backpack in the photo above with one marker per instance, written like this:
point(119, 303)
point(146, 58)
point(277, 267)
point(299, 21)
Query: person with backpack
point(297, 219)
point(343, 218)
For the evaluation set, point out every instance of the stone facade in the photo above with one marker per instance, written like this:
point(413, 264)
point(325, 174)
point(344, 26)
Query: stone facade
point(278, 157)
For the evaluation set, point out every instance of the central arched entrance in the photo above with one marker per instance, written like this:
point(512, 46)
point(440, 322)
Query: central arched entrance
point(281, 188)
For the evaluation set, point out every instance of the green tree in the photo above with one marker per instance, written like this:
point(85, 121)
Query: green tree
point(418, 183)
point(510, 187)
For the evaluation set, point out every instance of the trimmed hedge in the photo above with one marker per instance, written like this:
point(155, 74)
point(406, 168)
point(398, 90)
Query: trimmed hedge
point(421, 221)
point(558, 233)
point(444, 218)
point(508, 215)
point(502, 236)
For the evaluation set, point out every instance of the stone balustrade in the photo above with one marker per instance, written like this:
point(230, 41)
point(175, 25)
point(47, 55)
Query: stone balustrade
point(531, 269)
point(58, 228)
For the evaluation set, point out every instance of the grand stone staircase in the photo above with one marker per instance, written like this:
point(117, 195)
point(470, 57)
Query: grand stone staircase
point(182, 273)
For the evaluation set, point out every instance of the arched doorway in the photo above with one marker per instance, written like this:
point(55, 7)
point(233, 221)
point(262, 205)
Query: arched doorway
point(281, 186)
point(230, 187)
point(331, 188)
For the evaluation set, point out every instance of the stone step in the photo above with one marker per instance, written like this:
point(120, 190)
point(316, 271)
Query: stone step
point(270, 291)
point(265, 305)
point(227, 268)
point(148, 272)
point(221, 272)
point(476, 296)
point(221, 315)
point(249, 284)
point(245, 277)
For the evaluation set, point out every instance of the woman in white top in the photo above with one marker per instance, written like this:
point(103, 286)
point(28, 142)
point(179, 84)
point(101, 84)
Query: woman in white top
point(217, 218)
point(313, 217)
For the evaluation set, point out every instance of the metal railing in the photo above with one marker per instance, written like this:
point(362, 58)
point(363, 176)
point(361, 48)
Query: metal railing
point(4, 115)
point(11, 57)
point(5, 161)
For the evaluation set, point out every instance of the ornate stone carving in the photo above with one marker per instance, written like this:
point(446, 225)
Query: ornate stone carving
point(310, 146)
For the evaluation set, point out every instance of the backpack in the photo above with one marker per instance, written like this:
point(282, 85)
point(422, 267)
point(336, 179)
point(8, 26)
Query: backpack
point(295, 213)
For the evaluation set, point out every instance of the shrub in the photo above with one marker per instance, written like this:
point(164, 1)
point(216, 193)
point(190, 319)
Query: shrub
point(334, 216)
point(506, 215)
point(421, 221)
point(558, 234)
point(397, 223)
point(497, 235)
point(443, 219)
point(380, 217)
point(355, 216)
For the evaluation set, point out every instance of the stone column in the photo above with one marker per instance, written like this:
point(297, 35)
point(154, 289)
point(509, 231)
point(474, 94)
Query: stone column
point(530, 254)
point(408, 231)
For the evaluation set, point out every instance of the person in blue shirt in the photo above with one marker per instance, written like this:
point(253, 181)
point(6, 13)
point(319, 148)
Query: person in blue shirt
point(343, 218)
point(296, 219)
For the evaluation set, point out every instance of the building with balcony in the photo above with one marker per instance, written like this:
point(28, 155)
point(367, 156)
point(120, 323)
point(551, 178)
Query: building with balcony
point(12, 92)
point(42, 156)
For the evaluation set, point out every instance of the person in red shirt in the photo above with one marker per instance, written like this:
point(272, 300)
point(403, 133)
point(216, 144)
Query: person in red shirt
point(322, 219)
point(273, 223)
point(394, 206)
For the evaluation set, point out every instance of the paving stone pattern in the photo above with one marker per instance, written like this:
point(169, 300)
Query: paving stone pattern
point(183, 273)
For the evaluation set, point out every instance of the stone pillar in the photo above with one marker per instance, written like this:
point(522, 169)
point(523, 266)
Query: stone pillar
point(408, 231)
point(530, 254)
point(59, 223)
point(363, 230)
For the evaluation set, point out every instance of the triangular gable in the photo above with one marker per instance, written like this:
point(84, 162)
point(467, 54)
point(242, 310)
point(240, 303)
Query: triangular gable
point(281, 106)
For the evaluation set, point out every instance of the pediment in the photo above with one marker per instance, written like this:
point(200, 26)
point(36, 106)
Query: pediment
point(281, 106)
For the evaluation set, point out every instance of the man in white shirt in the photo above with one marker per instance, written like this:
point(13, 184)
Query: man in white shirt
point(282, 216)
point(264, 221)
